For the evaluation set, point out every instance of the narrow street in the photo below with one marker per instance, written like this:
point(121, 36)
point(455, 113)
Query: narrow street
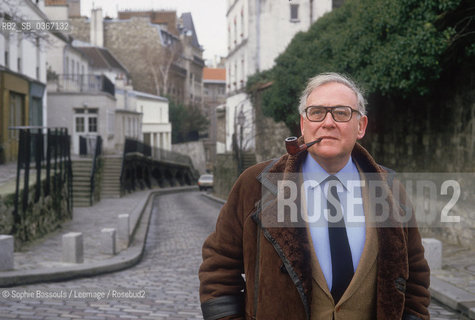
point(164, 285)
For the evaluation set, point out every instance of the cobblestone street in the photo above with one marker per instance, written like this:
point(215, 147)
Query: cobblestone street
point(164, 285)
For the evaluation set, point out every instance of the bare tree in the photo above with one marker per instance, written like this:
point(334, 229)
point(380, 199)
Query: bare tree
point(12, 10)
point(160, 60)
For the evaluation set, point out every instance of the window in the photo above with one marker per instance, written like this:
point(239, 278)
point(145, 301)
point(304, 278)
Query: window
point(235, 31)
point(242, 22)
point(7, 49)
point(38, 60)
point(17, 114)
point(19, 52)
point(66, 66)
point(92, 124)
point(79, 124)
point(294, 12)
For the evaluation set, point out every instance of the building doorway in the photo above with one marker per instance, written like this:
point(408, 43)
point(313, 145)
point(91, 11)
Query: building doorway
point(85, 127)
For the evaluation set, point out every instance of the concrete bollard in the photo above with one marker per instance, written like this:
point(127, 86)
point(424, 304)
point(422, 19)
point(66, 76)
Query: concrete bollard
point(73, 249)
point(6, 252)
point(433, 252)
point(123, 232)
point(108, 241)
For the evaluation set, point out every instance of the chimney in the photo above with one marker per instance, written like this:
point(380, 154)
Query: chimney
point(97, 28)
point(74, 8)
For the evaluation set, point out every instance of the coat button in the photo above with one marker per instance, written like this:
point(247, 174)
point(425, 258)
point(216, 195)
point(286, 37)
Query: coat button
point(283, 269)
point(338, 309)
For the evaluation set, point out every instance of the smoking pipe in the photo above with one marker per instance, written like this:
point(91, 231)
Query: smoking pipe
point(293, 148)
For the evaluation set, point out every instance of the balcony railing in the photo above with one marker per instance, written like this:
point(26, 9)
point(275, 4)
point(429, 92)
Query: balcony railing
point(88, 83)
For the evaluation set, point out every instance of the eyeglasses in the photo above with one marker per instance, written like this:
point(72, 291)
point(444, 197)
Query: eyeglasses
point(339, 113)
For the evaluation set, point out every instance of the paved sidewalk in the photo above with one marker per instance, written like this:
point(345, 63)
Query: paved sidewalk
point(41, 260)
point(454, 284)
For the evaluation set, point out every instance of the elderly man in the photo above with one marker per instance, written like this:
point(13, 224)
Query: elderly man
point(335, 271)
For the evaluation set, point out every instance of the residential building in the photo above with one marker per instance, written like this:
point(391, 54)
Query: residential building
point(94, 102)
point(22, 75)
point(156, 128)
point(214, 82)
point(160, 50)
point(258, 31)
point(193, 60)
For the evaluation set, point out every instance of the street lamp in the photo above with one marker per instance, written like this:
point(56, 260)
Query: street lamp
point(241, 119)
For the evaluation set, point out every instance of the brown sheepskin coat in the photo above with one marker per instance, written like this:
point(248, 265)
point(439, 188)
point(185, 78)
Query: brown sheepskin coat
point(280, 285)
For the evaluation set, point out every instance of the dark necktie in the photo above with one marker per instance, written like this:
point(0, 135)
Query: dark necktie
point(342, 263)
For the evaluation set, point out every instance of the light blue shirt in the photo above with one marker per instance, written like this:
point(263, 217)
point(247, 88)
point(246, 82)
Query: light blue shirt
point(351, 201)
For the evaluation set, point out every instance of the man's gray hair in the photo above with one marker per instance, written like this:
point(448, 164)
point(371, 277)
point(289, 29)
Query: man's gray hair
point(328, 77)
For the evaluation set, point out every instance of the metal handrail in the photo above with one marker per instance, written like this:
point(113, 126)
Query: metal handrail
point(97, 153)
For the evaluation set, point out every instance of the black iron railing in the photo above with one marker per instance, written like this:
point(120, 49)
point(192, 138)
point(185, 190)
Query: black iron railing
point(57, 162)
point(88, 144)
point(95, 160)
point(134, 146)
point(82, 83)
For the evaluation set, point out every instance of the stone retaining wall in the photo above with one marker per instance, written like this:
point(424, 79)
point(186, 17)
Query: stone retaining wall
point(40, 218)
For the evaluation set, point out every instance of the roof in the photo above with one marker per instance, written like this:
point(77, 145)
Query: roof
point(149, 96)
point(189, 25)
point(101, 58)
point(214, 74)
point(162, 17)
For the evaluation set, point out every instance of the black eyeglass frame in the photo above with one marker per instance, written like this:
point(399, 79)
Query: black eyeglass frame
point(330, 109)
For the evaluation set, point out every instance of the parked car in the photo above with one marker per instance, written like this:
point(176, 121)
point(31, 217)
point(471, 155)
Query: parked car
point(205, 182)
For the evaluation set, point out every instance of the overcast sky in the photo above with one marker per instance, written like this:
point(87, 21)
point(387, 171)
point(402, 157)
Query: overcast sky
point(209, 17)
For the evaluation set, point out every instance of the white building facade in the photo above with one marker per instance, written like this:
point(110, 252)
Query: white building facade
point(156, 129)
point(22, 73)
point(258, 31)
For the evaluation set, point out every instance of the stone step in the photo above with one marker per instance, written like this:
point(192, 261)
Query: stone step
point(113, 162)
point(111, 174)
point(81, 192)
point(81, 164)
point(82, 170)
point(103, 191)
point(82, 167)
point(81, 187)
point(81, 195)
point(81, 183)
point(81, 203)
point(108, 172)
point(110, 191)
point(110, 180)
point(112, 165)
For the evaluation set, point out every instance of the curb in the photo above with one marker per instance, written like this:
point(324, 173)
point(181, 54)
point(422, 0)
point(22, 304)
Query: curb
point(126, 259)
point(214, 198)
point(453, 297)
